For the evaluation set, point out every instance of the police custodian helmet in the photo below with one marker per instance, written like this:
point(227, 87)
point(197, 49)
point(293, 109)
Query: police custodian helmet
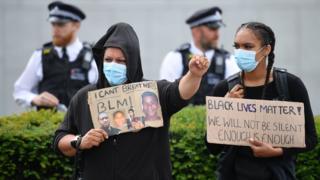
point(62, 12)
point(210, 17)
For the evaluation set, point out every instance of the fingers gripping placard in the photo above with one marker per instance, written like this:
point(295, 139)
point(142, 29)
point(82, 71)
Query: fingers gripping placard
point(234, 121)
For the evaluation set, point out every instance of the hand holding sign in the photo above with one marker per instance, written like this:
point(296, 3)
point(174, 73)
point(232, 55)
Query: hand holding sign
point(93, 138)
point(198, 65)
point(261, 149)
point(235, 92)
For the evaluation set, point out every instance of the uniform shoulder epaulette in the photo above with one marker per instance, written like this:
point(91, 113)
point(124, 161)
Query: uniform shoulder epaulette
point(48, 44)
point(87, 44)
point(87, 55)
point(184, 47)
point(46, 48)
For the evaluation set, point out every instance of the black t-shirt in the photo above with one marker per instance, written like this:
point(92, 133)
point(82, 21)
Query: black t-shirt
point(244, 161)
point(134, 155)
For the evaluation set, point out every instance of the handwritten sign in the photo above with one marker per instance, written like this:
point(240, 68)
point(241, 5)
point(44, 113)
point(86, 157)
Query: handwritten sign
point(125, 108)
point(234, 121)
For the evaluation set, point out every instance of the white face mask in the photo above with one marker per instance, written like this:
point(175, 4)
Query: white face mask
point(246, 60)
point(115, 73)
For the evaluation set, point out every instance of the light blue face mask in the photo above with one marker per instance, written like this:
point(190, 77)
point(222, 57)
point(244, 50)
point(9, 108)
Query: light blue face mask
point(115, 73)
point(246, 60)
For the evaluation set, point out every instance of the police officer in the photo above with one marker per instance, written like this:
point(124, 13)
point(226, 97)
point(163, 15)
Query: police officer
point(56, 71)
point(205, 25)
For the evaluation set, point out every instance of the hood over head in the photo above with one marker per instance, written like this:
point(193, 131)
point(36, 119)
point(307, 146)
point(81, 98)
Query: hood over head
point(120, 35)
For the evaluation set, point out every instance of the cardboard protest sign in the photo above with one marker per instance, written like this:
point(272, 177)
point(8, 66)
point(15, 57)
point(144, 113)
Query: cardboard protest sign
point(126, 108)
point(234, 121)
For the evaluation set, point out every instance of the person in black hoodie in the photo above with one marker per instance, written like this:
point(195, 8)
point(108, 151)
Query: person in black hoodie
point(135, 155)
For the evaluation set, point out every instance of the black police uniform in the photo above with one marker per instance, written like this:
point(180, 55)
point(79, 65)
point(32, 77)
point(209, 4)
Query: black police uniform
point(61, 77)
point(209, 17)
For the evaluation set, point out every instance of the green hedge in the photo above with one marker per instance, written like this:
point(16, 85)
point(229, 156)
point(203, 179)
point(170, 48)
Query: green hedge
point(189, 156)
point(25, 148)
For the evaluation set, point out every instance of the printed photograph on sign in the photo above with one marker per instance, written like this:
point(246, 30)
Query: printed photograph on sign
point(151, 108)
point(234, 121)
point(126, 108)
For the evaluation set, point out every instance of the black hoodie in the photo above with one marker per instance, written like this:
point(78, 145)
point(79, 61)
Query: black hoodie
point(121, 36)
point(144, 155)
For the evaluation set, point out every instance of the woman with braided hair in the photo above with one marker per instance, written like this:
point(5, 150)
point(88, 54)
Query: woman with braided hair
point(254, 52)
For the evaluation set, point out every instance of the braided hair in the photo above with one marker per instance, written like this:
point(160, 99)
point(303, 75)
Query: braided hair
point(265, 34)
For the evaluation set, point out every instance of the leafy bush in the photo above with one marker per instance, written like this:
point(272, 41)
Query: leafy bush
point(25, 143)
point(26, 153)
point(189, 156)
point(308, 164)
